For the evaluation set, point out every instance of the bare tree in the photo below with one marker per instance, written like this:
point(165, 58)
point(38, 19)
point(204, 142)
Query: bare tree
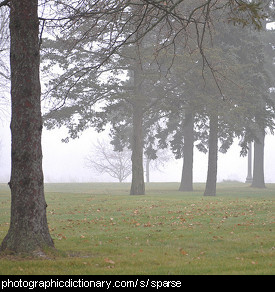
point(156, 164)
point(103, 159)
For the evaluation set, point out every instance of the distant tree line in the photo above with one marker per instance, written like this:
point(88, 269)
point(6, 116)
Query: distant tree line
point(176, 96)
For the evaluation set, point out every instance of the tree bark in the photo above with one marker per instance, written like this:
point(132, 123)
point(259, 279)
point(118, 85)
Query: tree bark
point(258, 165)
point(211, 182)
point(187, 170)
point(28, 232)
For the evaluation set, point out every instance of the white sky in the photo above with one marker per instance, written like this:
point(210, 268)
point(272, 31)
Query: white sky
point(66, 162)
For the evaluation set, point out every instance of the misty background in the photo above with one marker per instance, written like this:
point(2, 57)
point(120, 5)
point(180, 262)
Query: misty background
point(65, 162)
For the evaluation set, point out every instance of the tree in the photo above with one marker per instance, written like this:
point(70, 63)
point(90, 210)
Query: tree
point(258, 179)
point(230, 101)
point(103, 159)
point(28, 230)
point(122, 103)
point(252, 115)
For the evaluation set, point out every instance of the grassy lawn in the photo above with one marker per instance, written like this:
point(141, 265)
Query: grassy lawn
point(100, 229)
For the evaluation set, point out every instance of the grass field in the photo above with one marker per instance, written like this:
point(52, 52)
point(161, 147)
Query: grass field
point(100, 229)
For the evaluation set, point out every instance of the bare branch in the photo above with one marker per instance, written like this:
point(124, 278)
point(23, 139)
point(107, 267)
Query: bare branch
point(103, 159)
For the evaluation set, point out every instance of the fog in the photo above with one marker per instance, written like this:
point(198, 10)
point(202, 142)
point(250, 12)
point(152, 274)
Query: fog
point(65, 162)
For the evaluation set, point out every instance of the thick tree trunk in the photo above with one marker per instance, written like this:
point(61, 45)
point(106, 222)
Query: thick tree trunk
point(211, 182)
point(187, 170)
point(28, 232)
point(258, 166)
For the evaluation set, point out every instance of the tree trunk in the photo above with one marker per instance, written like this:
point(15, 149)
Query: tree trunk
point(147, 170)
point(258, 166)
point(187, 170)
point(137, 186)
point(249, 177)
point(28, 232)
point(211, 182)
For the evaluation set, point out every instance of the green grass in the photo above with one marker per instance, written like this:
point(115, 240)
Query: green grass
point(101, 229)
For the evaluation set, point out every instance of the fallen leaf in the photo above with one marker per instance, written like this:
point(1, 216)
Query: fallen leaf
point(106, 260)
point(183, 252)
point(61, 236)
